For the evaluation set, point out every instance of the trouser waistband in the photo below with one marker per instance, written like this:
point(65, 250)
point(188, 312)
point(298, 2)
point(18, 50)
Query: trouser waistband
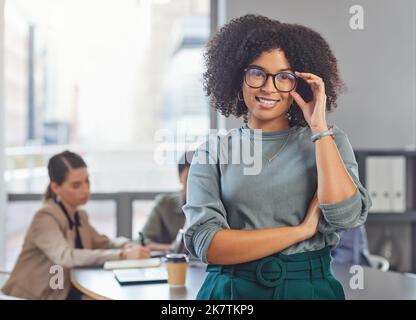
point(272, 270)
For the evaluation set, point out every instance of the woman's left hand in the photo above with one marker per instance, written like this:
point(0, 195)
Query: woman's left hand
point(314, 110)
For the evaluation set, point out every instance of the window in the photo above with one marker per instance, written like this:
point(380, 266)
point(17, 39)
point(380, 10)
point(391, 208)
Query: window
point(101, 78)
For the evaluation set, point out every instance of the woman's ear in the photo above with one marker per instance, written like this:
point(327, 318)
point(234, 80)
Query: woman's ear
point(55, 188)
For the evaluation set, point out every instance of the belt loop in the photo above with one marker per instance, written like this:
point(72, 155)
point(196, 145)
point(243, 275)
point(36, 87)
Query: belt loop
point(311, 266)
point(323, 267)
point(220, 271)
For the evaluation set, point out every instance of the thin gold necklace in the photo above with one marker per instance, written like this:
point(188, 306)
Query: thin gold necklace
point(280, 149)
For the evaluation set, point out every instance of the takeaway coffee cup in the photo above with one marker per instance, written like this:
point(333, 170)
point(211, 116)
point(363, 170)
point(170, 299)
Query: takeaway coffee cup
point(177, 265)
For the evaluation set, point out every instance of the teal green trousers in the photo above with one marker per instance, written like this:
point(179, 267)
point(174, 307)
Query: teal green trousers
point(301, 276)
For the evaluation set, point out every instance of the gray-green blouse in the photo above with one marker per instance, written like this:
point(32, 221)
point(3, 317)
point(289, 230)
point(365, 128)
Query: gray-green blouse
point(222, 195)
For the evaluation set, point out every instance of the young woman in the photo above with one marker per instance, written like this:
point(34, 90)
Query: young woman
point(269, 235)
point(61, 234)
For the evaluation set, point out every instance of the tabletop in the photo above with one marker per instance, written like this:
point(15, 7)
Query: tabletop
point(98, 283)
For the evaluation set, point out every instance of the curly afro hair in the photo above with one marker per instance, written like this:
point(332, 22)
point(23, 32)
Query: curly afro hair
point(244, 39)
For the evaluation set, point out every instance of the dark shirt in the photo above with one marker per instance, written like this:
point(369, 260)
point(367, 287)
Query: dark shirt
point(166, 218)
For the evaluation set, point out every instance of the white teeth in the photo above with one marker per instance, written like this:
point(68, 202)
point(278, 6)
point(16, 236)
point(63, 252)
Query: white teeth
point(266, 101)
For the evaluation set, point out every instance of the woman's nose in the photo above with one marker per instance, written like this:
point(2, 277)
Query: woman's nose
point(269, 85)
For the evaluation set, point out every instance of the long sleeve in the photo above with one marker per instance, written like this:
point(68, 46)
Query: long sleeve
point(48, 237)
point(153, 227)
point(204, 210)
point(101, 241)
point(353, 211)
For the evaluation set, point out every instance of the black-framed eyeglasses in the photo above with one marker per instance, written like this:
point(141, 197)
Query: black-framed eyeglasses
point(257, 78)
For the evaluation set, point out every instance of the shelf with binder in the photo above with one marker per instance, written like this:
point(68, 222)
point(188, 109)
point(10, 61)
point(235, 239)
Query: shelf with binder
point(390, 178)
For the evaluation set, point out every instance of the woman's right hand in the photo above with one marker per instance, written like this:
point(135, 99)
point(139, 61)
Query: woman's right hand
point(309, 225)
point(136, 252)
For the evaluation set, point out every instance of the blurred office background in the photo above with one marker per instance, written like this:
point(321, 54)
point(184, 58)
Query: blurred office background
point(102, 77)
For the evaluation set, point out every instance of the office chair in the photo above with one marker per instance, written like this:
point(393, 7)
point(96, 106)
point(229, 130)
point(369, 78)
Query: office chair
point(378, 262)
point(353, 249)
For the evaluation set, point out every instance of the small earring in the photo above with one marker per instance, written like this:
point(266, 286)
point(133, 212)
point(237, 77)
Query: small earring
point(238, 96)
point(288, 115)
point(245, 117)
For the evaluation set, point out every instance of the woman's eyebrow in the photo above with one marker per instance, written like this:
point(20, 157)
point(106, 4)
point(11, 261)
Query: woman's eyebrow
point(260, 67)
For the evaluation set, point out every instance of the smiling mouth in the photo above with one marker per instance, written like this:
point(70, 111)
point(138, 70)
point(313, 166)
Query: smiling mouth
point(266, 102)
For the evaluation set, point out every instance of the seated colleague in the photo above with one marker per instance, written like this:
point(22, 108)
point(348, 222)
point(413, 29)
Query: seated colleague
point(352, 247)
point(61, 234)
point(167, 216)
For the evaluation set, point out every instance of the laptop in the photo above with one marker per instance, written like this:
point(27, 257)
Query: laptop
point(141, 276)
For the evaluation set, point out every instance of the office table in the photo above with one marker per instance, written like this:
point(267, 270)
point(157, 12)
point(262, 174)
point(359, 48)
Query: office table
point(100, 284)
